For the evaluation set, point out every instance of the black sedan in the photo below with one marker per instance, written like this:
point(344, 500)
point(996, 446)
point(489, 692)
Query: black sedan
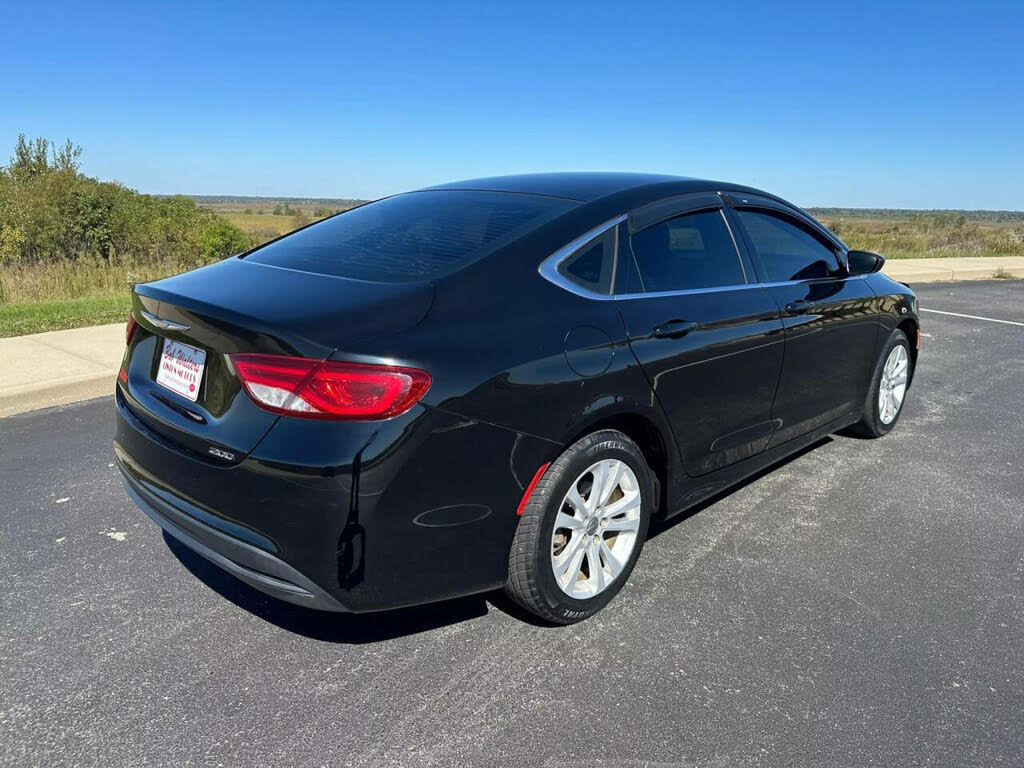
point(497, 383)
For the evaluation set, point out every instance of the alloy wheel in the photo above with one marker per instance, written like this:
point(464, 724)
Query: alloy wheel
point(595, 531)
point(893, 386)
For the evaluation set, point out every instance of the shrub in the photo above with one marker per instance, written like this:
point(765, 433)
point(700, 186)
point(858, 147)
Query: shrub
point(52, 213)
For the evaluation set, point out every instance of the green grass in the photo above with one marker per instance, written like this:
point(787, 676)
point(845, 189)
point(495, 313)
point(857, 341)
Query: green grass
point(51, 297)
point(57, 314)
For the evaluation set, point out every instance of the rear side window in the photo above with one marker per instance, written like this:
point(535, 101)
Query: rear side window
point(415, 236)
point(593, 265)
point(687, 252)
point(787, 251)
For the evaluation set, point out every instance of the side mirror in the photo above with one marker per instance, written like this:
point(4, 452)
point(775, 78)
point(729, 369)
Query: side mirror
point(864, 262)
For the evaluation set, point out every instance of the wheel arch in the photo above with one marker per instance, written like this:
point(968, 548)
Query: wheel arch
point(910, 327)
point(654, 444)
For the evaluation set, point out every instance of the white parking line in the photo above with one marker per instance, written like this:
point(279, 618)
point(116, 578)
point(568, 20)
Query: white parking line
point(973, 317)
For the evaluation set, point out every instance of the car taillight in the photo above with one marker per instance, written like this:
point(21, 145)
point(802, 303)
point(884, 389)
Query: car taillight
point(129, 330)
point(317, 389)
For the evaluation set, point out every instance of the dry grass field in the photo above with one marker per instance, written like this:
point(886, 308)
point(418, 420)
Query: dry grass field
point(264, 218)
point(933, 234)
point(264, 227)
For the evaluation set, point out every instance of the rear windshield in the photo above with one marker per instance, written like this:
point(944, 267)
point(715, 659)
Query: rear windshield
point(415, 236)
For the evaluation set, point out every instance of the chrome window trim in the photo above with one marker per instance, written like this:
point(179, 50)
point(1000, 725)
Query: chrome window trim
point(739, 287)
point(549, 270)
point(687, 291)
point(549, 267)
point(812, 280)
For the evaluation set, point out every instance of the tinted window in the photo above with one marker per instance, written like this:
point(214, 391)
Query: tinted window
point(627, 280)
point(593, 265)
point(691, 251)
point(787, 251)
point(414, 236)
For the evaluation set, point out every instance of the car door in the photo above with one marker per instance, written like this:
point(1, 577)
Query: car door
point(829, 316)
point(708, 337)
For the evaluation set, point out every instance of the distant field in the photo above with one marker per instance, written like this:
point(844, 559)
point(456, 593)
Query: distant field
point(224, 204)
point(264, 218)
point(266, 227)
point(901, 234)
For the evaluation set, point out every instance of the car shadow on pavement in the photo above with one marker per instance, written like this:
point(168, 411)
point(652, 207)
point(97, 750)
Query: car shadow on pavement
point(349, 628)
point(660, 525)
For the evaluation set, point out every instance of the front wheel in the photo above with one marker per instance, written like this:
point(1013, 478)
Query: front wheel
point(582, 529)
point(888, 388)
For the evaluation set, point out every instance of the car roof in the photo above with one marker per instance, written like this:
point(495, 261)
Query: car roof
point(585, 187)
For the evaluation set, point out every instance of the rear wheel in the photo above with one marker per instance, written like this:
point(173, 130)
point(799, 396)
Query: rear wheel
point(582, 529)
point(888, 388)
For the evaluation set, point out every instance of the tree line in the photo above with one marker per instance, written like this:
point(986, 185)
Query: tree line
point(50, 212)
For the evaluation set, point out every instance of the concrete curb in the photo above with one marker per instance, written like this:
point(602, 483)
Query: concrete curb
point(58, 367)
point(62, 394)
point(936, 270)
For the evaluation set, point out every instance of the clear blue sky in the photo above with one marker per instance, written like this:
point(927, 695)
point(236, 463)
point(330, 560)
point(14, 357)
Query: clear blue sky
point(865, 104)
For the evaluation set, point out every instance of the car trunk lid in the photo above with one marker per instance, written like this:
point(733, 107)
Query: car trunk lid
point(235, 307)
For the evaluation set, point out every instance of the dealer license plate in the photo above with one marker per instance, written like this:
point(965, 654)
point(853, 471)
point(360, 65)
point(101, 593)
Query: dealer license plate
point(181, 369)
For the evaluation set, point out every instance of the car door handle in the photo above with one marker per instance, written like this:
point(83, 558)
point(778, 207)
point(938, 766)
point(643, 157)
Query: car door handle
point(799, 307)
point(674, 329)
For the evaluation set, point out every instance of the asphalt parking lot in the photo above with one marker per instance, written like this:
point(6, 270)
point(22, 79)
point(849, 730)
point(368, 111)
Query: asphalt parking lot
point(861, 604)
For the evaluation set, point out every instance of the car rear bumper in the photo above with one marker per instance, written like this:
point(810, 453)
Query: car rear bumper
point(254, 566)
point(357, 516)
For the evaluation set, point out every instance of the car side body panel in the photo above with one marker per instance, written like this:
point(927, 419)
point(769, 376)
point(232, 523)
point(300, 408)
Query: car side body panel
point(716, 383)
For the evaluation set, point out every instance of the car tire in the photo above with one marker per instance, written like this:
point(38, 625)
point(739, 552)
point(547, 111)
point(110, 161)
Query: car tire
point(880, 415)
point(563, 517)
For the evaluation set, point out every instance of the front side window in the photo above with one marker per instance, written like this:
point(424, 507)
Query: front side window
point(787, 251)
point(415, 236)
point(688, 252)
